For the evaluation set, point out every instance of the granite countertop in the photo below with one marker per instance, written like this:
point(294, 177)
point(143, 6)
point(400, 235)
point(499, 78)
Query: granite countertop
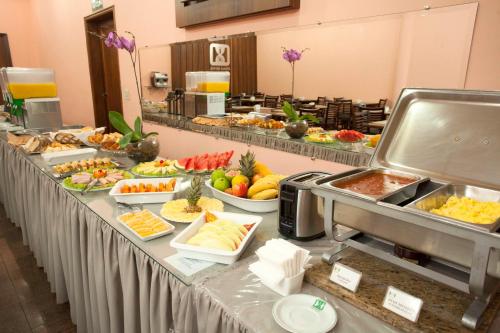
point(359, 156)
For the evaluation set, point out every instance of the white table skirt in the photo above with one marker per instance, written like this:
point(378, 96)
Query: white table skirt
point(111, 285)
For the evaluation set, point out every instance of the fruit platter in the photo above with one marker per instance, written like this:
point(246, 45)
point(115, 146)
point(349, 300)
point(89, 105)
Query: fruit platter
point(217, 236)
point(146, 191)
point(371, 142)
point(158, 168)
point(83, 165)
point(324, 138)
point(349, 136)
point(192, 207)
point(95, 180)
point(205, 163)
point(252, 186)
point(145, 225)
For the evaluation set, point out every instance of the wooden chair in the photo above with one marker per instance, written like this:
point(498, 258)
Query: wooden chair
point(321, 100)
point(331, 116)
point(373, 113)
point(345, 113)
point(271, 101)
point(338, 99)
point(360, 121)
point(381, 104)
point(286, 98)
point(258, 94)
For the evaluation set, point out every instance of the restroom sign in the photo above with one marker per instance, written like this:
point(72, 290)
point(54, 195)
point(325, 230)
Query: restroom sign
point(219, 54)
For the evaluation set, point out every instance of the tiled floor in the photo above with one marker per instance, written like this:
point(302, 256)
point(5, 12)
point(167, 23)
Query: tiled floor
point(26, 303)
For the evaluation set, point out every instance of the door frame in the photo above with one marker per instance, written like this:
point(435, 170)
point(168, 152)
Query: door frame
point(94, 71)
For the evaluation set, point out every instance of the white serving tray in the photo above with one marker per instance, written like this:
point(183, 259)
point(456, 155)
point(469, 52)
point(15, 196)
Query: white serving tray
point(147, 197)
point(254, 206)
point(219, 256)
point(145, 239)
point(64, 156)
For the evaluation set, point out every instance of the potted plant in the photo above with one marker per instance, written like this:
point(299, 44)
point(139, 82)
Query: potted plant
point(140, 146)
point(296, 126)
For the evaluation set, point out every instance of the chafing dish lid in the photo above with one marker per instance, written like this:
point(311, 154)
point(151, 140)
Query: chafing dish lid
point(450, 135)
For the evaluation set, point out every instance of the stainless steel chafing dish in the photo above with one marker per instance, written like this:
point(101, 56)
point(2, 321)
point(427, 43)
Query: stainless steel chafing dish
point(450, 139)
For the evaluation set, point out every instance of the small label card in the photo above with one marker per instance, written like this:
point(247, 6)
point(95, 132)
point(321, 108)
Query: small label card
point(187, 266)
point(345, 276)
point(403, 304)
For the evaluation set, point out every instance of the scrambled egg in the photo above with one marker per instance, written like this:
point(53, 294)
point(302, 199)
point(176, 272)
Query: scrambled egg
point(469, 210)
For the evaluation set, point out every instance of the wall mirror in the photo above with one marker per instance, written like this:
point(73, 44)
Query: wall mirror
point(363, 60)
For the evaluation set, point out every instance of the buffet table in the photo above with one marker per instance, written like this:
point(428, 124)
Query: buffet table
point(117, 283)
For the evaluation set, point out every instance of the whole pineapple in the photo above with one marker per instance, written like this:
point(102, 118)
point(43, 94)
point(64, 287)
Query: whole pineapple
point(193, 195)
point(247, 164)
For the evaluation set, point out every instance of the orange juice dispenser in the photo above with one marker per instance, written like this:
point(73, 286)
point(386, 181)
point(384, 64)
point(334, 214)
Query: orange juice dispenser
point(31, 95)
point(205, 93)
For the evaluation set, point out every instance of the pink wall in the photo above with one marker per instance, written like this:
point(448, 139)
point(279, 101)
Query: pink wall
point(17, 22)
point(58, 26)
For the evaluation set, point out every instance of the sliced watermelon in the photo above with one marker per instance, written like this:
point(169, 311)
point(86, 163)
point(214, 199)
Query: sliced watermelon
point(221, 161)
point(201, 165)
point(189, 165)
point(212, 163)
point(181, 164)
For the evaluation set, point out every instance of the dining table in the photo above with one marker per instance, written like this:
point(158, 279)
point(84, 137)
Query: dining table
point(251, 100)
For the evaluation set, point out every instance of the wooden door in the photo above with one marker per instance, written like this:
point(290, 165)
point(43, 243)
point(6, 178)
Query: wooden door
point(104, 67)
point(5, 58)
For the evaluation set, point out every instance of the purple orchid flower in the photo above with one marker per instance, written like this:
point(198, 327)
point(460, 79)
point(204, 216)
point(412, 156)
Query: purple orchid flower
point(128, 44)
point(109, 41)
point(292, 55)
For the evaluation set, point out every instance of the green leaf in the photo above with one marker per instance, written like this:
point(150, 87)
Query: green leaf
point(310, 118)
point(138, 126)
point(149, 134)
point(116, 119)
point(125, 140)
point(290, 112)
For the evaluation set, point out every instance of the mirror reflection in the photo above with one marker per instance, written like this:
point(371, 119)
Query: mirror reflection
point(348, 74)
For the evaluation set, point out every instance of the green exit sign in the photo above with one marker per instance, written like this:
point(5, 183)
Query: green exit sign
point(96, 4)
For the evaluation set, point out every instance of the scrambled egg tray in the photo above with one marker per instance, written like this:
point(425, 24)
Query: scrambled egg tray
point(469, 210)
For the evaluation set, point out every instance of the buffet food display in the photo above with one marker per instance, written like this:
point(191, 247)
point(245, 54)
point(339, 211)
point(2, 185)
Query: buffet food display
point(252, 186)
point(145, 225)
point(98, 179)
point(446, 204)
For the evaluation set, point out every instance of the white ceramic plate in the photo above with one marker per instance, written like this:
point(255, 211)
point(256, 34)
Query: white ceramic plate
point(214, 255)
point(254, 206)
point(146, 197)
point(170, 229)
point(302, 313)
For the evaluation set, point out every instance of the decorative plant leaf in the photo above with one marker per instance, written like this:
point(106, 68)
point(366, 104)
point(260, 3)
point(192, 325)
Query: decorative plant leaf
point(125, 140)
point(310, 118)
point(116, 119)
point(290, 112)
point(149, 134)
point(138, 127)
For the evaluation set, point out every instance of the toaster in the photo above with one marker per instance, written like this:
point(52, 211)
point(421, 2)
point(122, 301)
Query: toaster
point(300, 211)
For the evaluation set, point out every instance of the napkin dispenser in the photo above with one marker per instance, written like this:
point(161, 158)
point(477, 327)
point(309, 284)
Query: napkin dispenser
point(300, 211)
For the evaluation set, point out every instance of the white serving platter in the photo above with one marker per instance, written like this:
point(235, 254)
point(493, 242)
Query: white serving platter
point(254, 206)
point(147, 197)
point(64, 156)
point(170, 229)
point(214, 255)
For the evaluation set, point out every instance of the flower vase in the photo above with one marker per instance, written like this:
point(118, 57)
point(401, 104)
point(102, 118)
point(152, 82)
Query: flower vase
point(296, 129)
point(144, 150)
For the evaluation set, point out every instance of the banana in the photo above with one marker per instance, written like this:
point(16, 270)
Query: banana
point(260, 186)
point(265, 195)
